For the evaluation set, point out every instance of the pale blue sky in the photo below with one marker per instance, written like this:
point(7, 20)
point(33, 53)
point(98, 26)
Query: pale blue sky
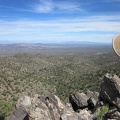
point(46, 21)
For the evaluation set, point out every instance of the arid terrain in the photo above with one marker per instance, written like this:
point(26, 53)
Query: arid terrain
point(59, 69)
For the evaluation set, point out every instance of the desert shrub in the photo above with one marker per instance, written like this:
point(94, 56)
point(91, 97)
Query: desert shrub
point(5, 109)
point(100, 112)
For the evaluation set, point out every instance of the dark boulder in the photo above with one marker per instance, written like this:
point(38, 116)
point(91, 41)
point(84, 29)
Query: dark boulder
point(78, 100)
point(110, 90)
point(113, 113)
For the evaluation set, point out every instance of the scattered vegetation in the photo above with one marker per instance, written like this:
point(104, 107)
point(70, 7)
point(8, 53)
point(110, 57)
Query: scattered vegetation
point(61, 74)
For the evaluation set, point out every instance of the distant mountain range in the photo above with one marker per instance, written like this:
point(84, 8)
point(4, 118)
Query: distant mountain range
point(52, 48)
point(85, 42)
point(61, 43)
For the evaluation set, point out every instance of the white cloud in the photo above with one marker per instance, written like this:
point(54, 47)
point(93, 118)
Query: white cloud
point(46, 6)
point(90, 28)
point(68, 6)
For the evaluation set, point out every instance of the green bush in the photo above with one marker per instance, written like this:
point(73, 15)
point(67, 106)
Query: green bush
point(100, 112)
point(5, 109)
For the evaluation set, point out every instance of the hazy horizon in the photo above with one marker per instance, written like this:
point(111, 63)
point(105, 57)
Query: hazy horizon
point(59, 43)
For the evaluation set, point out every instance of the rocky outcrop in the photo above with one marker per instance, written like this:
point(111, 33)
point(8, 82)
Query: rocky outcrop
point(36, 107)
point(110, 90)
point(30, 106)
point(82, 100)
point(110, 93)
point(93, 98)
point(83, 106)
point(78, 100)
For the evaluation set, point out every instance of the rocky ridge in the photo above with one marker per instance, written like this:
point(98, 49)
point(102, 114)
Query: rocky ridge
point(83, 106)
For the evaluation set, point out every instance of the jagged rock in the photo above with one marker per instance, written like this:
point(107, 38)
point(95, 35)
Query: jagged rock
point(110, 90)
point(21, 108)
point(78, 100)
point(31, 106)
point(38, 109)
point(70, 115)
point(55, 106)
point(92, 103)
point(91, 94)
point(113, 113)
point(93, 99)
point(81, 100)
point(85, 115)
point(18, 114)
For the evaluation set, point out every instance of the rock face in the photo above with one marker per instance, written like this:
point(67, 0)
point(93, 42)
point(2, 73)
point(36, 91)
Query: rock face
point(110, 90)
point(30, 106)
point(82, 100)
point(36, 107)
point(83, 106)
point(78, 100)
